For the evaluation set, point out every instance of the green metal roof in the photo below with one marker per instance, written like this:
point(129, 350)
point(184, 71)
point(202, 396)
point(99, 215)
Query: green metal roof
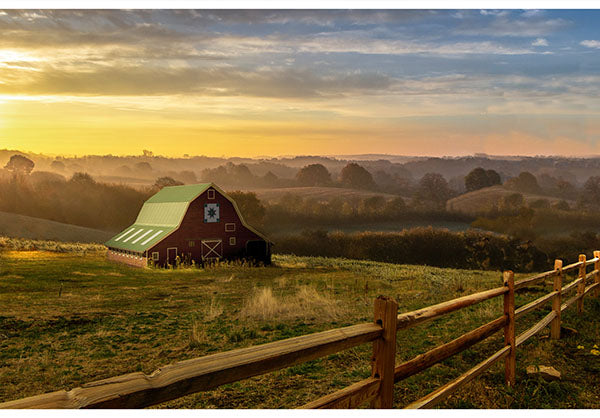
point(139, 238)
point(160, 215)
point(185, 193)
point(157, 214)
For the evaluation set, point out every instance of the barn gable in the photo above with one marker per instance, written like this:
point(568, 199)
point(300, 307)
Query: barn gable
point(161, 215)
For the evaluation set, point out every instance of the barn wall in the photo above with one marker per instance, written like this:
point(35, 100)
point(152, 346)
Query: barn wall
point(194, 229)
point(127, 259)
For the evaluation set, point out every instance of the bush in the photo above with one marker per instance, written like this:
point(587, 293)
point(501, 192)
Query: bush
point(434, 247)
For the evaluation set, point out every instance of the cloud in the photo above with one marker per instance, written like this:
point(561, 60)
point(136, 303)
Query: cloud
point(266, 82)
point(500, 13)
point(540, 42)
point(590, 43)
point(358, 42)
point(502, 26)
point(532, 13)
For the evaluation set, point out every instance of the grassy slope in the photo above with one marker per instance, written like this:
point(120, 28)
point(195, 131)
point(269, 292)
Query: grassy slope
point(13, 225)
point(318, 193)
point(69, 318)
point(482, 200)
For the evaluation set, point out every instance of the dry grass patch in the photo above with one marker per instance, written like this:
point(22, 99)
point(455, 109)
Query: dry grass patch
point(198, 335)
point(306, 303)
point(213, 311)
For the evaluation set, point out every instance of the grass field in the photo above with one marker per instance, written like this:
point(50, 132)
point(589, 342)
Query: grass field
point(317, 193)
point(72, 318)
point(14, 225)
point(395, 226)
point(483, 200)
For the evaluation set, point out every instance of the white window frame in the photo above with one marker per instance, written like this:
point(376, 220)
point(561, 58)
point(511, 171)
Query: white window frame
point(211, 193)
point(232, 241)
point(155, 256)
point(230, 227)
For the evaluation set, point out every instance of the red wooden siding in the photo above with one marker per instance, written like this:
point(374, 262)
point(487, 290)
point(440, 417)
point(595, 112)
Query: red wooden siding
point(193, 228)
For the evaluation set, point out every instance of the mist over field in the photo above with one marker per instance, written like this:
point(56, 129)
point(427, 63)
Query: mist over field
point(543, 207)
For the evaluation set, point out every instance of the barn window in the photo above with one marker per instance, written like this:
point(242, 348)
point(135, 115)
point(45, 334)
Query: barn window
point(155, 256)
point(230, 227)
point(232, 241)
point(211, 193)
point(191, 243)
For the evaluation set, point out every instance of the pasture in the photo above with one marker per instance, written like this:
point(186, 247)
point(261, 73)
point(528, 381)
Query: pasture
point(71, 318)
point(14, 225)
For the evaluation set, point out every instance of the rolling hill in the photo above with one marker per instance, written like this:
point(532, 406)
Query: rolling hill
point(20, 226)
point(482, 200)
point(318, 193)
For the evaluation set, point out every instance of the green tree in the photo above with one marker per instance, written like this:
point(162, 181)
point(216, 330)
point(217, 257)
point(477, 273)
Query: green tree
point(476, 179)
point(525, 182)
point(512, 202)
point(313, 175)
point(590, 195)
point(372, 205)
point(433, 187)
point(19, 165)
point(356, 177)
point(270, 179)
point(143, 167)
point(493, 177)
point(82, 178)
point(479, 178)
point(395, 206)
point(252, 209)
point(165, 182)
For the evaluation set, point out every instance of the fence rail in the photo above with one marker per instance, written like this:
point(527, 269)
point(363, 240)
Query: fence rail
point(137, 390)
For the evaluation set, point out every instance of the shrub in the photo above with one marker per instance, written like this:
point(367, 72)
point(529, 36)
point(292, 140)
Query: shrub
point(434, 247)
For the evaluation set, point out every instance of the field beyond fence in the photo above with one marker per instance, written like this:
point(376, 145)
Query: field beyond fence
point(138, 390)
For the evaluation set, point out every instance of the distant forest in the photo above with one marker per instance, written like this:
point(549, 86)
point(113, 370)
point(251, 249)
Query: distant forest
point(548, 202)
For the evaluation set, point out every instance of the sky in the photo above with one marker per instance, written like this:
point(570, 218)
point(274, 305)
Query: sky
point(295, 82)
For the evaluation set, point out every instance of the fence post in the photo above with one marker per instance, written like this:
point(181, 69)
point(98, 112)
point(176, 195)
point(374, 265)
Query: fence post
point(384, 351)
point(597, 275)
point(510, 364)
point(581, 285)
point(557, 300)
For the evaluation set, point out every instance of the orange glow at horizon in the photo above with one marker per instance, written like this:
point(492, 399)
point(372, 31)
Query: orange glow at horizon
point(82, 129)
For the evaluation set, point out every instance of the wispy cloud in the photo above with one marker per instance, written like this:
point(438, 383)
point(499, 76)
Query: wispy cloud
point(223, 81)
point(590, 43)
point(540, 42)
point(502, 26)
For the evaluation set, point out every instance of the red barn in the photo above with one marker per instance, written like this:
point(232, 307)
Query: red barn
point(194, 222)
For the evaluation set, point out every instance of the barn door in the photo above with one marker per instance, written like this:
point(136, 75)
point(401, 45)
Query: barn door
point(212, 249)
point(171, 255)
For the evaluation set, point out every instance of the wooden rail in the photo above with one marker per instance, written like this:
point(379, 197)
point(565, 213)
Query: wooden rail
point(410, 319)
point(137, 390)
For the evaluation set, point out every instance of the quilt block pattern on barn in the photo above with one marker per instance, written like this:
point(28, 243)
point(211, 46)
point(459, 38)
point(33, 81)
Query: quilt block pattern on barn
point(196, 222)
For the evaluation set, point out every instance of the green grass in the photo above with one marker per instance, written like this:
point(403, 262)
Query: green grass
point(73, 317)
point(15, 225)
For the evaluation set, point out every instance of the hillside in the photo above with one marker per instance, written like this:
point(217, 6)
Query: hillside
point(70, 319)
point(318, 193)
point(20, 226)
point(483, 200)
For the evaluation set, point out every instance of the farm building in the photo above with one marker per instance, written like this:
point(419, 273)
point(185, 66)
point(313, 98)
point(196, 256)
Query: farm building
point(193, 222)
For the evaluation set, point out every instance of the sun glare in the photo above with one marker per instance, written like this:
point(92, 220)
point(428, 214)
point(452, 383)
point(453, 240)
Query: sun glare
point(13, 56)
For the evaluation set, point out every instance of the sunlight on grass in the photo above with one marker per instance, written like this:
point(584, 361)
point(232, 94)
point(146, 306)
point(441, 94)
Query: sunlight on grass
point(307, 302)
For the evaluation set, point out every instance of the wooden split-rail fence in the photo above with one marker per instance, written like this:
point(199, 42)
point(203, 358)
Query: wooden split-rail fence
point(137, 390)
